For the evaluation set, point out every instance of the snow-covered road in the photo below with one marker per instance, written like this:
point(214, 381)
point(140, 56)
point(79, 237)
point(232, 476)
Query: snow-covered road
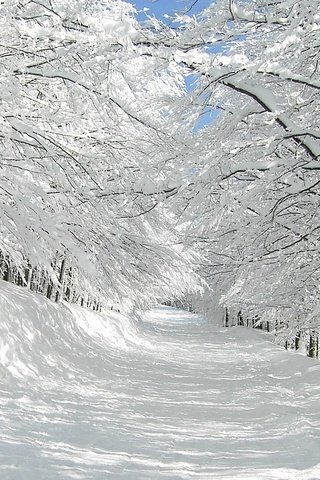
point(172, 398)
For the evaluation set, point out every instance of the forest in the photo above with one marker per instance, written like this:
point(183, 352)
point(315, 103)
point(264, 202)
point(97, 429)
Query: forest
point(160, 161)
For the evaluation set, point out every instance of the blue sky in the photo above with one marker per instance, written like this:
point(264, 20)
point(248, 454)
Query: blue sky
point(160, 7)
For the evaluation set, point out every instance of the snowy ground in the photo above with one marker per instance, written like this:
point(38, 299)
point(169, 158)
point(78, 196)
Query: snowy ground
point(174, 397)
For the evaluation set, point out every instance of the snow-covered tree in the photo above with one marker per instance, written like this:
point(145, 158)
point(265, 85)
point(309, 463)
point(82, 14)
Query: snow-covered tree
point(100, 165)
point(88, 149)
point(255, 195)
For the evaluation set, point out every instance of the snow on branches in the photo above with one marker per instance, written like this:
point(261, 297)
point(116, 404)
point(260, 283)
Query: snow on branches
point(100, 164)
point(86, 149)
point(254, 204)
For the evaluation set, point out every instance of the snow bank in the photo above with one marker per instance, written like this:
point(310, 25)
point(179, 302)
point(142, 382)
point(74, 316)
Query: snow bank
point(42, 338)
point(85, 396)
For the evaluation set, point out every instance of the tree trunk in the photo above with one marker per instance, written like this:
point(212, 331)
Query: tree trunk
point(226, 319)
point(312, 351)
point(240, 321)
point(19, 279)
point(67, 294)
point(6, 273)
point(61, 277)
point(49, 290)
point(27, 276)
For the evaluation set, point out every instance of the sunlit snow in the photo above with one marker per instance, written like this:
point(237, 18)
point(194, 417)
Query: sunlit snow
point(85, 396)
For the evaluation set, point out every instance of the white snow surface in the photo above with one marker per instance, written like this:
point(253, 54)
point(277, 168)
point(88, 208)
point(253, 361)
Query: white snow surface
point(86, 396)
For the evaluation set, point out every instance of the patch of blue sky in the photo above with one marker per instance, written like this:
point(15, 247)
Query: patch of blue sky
point(208, 114)
point(207, 117)
point(163, 10)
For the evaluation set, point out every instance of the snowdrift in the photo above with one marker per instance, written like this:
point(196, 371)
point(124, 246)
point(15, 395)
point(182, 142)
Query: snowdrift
point(42, 338)
point(86, 396)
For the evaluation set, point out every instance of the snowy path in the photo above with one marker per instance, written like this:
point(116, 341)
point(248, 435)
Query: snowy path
point(179, 400)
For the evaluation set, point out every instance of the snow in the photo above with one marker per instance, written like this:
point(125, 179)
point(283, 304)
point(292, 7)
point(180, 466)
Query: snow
point(273, 104)
point(92, 396)
point(121, 27)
